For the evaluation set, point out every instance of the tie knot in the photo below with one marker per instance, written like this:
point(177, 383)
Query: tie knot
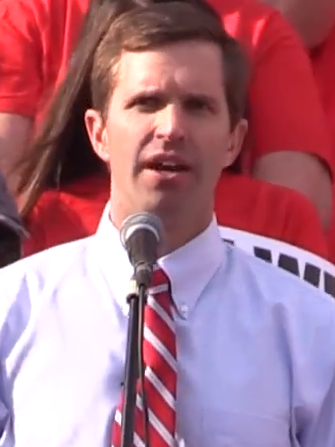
point(160, 278)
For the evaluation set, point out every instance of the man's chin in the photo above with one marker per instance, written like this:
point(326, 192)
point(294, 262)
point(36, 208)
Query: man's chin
point(163, 206)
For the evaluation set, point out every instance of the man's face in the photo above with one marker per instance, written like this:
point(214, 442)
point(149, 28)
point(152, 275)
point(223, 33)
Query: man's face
point(167, 135)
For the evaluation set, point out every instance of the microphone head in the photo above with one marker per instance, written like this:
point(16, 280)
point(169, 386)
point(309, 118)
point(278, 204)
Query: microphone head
point(141, 236)
point(141, 221)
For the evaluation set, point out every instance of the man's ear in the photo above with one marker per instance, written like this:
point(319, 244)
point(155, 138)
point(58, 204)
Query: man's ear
point(236, 142)
point(97, 133)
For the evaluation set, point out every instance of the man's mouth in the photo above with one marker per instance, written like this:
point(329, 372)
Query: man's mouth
point(167, 166)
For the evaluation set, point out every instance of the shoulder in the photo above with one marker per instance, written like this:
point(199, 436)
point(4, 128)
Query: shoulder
point(40, 286)
point(39, 293)
point(39, 275)
point(296, 315)
point(278, 288)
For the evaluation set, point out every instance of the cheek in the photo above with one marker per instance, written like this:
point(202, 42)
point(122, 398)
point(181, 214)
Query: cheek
point(123, 150)
point(127, 137)
point(216, 147)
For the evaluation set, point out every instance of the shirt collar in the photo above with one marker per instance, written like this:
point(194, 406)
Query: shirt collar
point(190, 268)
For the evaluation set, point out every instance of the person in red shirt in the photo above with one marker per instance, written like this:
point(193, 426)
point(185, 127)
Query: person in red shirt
point(66, 195)
point(288, 145)
point(315, 23)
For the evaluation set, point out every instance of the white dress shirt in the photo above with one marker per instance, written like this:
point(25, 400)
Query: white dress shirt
point(256, 347)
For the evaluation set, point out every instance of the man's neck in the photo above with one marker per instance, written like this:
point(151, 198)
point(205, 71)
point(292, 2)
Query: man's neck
point(176, 236)
point(177, 231)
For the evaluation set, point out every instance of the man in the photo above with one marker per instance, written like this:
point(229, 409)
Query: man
point(11, 228)
point(239, 350)
point(289, 147)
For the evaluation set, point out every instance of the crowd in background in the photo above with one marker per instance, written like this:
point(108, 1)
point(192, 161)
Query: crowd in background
point(278, 179)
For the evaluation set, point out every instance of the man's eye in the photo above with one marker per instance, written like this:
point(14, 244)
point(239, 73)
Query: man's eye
point(197, 105)
point(149, 104)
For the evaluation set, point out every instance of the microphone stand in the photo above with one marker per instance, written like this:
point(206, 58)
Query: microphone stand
point(136, 300)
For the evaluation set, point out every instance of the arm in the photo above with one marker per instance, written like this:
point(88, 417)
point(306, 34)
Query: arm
point(14, 136)
point(21, 80)
point(291, 142)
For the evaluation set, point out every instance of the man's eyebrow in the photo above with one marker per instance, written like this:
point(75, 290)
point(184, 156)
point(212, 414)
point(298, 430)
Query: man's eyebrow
point(157, 92)
point(202, 97)
point(142, 94)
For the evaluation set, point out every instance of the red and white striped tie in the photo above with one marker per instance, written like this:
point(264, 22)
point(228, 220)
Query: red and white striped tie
point(159, 352)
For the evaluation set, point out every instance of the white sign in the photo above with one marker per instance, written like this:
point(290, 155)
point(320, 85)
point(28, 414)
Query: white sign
point(308, 266)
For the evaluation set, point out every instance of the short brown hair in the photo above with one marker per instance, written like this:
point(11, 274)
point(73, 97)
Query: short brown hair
point(146, 28)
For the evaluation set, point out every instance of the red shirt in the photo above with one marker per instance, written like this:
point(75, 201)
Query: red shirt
point(241, 203)
point(323, 61)
point(37, 41)
point(38, 37)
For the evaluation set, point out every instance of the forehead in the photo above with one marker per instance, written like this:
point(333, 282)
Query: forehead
point(187, 66)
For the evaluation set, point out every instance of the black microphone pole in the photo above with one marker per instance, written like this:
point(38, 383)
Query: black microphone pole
point(140, 235)
point(136, 300)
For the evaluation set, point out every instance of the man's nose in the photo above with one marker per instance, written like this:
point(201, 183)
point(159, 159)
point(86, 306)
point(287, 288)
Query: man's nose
point(171, 123)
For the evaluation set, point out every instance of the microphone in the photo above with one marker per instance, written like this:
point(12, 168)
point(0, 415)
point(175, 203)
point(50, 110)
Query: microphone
point(141, 236)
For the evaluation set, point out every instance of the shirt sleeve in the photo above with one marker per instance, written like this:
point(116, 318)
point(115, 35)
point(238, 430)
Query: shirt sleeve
point(20, 57)
point(285, 112)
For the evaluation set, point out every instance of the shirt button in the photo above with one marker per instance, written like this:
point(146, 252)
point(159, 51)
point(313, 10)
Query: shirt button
point(183, 309)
